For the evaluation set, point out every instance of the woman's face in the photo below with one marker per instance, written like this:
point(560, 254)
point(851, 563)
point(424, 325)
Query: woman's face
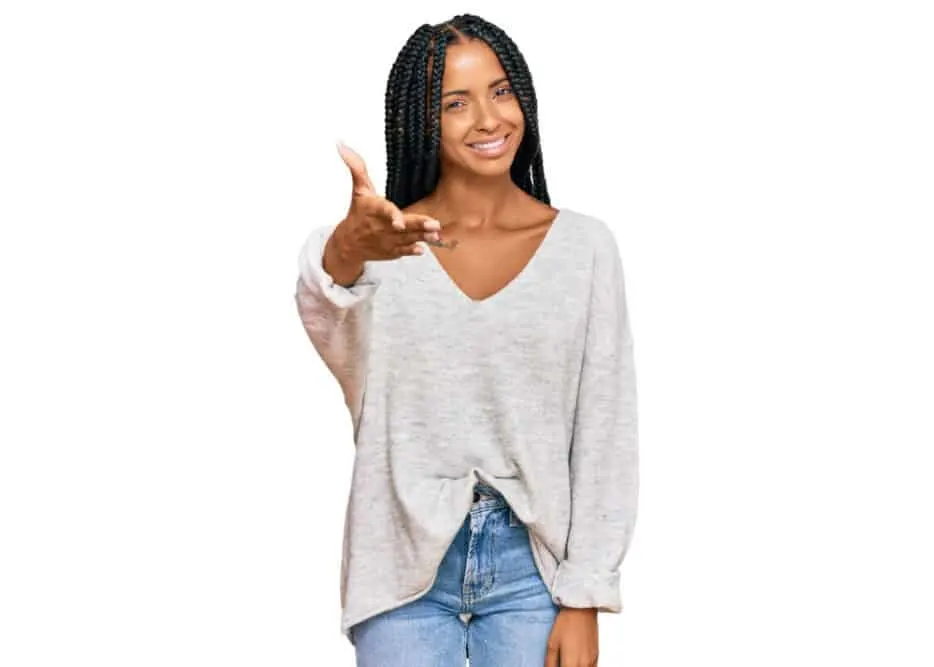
point(478, 106)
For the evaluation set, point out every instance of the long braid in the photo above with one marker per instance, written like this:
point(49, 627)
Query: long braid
point(396, 93)
point(413, 137)
point(418, 91)
point(437, 72)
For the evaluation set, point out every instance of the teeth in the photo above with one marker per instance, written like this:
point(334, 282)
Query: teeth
point(492, 144)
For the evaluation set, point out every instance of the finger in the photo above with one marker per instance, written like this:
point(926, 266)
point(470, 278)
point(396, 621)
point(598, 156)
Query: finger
point(421, 221)
point(551, 657)
point(362, 185)
point(404, 249)
point(408, 237)
point(383, 208)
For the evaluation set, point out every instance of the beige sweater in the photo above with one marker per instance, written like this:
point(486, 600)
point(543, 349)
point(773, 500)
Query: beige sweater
point(532, 390)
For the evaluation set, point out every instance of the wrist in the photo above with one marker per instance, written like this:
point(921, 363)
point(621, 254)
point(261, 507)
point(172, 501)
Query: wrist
point(580, 610)
point(343, 249)
point(340, 261)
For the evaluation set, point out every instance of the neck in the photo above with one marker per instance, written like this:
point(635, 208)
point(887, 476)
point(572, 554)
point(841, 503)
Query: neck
point(475, 203)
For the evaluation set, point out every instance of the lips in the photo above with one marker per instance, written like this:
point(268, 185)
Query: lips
point(492, 148)
point(492, 143)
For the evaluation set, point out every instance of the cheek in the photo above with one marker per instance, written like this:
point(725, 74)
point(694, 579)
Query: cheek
point(519, 131)
point(514, 116)
point(449, 149)
point(453, 134)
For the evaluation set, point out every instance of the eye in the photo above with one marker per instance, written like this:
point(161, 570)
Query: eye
point(500, 92)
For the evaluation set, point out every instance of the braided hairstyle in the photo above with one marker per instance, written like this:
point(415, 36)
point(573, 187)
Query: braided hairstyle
point(413, 117)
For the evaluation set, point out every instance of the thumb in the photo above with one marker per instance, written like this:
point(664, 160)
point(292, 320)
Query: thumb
point(362, 185)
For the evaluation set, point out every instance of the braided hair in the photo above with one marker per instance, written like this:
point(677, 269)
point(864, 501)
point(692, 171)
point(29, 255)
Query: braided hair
point(413, 117)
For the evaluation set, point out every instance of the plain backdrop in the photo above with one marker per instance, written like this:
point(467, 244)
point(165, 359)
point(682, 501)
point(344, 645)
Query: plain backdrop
point(176, 458)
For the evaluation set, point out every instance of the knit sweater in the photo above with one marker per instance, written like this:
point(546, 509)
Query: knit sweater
point(531, 391)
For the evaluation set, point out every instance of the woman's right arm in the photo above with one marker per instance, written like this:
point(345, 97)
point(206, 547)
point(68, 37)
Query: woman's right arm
point(336, 312)
point(335, 303)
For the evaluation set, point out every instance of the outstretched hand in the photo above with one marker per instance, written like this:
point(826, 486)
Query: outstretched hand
point(375, 228)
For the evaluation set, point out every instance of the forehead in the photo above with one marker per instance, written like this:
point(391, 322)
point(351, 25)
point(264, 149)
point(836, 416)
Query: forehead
point(470, 65)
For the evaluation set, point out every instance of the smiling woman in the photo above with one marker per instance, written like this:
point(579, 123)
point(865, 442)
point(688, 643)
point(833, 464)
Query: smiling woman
point(492, 390)
point(477, 88)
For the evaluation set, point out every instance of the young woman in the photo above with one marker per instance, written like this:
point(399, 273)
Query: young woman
point(488, 373)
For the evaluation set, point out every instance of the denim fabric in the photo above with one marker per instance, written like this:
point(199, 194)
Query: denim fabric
point(488, 602)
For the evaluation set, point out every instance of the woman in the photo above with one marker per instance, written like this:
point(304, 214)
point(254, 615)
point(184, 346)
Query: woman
point(489, 377)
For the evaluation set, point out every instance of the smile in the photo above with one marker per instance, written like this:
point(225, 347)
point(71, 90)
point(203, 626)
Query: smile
point(490, 148)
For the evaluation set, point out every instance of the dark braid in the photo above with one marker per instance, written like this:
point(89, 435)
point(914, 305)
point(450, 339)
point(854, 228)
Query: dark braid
point(413, 137)
point(396, 93)
point(437, 73)
point(418, 138)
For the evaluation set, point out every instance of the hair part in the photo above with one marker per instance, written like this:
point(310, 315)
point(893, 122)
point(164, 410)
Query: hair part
point(413, 109)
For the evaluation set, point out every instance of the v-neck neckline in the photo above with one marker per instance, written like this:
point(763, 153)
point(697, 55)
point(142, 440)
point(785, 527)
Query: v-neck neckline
point(509, 286)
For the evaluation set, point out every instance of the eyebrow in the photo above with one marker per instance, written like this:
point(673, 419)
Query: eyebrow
point(467, 92)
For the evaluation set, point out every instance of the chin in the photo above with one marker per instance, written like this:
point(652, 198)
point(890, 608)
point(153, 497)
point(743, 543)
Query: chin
point(490, 167)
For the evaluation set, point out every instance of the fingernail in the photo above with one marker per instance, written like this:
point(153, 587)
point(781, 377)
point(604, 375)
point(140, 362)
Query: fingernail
point(433, 225)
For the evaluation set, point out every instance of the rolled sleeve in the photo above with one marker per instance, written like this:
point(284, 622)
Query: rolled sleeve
point(337, 319)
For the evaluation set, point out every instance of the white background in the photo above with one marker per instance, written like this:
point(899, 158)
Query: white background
point(176, 458)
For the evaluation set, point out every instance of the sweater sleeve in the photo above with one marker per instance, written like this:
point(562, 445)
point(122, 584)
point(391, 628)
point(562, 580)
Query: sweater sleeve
point(604, 474)
point(337, 319)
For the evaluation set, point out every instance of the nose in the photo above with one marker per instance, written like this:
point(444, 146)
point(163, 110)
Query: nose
point(488, 118)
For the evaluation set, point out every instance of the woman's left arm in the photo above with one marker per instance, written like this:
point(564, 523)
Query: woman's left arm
point(604, 458)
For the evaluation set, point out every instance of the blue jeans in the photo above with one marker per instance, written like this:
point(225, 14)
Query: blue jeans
point(488, 603)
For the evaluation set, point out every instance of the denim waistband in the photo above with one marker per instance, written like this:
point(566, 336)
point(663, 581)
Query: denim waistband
point(487, 496)
point(486, 499)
